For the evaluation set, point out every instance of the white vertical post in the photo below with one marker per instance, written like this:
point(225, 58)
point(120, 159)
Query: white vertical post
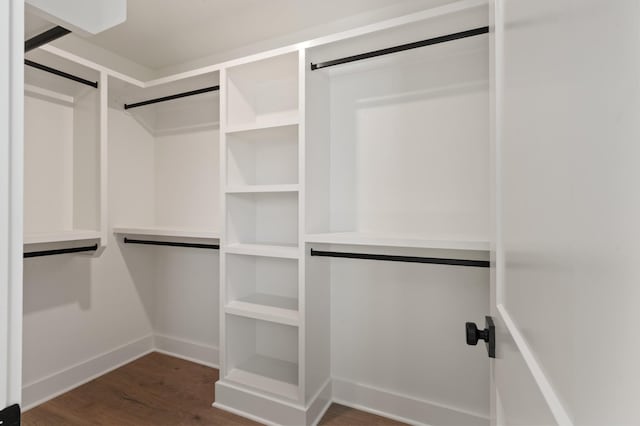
point(103, 138)
point(11, 155)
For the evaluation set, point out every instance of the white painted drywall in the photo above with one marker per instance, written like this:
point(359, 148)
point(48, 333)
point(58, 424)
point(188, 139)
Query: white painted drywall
point(409, 148)
point(48, 168)
point(187, 180)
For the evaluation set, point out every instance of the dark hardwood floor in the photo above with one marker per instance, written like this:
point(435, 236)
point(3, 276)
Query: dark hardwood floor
point(159, 390)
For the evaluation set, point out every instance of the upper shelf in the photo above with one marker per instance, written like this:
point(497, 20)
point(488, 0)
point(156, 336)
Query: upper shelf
point(390, 240)
point(167, 232)
point(60, 236)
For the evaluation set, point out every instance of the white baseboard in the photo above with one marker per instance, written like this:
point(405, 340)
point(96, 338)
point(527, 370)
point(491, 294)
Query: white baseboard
point(269, 410)
point(42, 390)
point(191, 351)
point(402, 408)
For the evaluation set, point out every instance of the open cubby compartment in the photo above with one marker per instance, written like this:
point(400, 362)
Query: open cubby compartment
point(172, 157)
point(262, 355)
point(263, 287)
point(183, 115)
point(398, 145)
point(265, 157)
point(263, 93)
point(64, 156)
point(269, 219)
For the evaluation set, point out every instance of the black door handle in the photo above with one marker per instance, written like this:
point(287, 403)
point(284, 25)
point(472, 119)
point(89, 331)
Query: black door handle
point(488, 335)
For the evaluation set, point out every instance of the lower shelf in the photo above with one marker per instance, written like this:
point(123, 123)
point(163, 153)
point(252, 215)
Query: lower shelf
point(283, 310)
point(269, 375)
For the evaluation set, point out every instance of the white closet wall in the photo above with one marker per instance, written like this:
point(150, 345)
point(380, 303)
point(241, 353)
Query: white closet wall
point(85, 314)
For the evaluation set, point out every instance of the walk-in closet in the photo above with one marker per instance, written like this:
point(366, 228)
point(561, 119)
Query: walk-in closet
point(284, 213)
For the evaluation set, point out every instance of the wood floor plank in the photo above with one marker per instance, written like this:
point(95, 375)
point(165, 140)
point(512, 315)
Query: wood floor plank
point(160, 390)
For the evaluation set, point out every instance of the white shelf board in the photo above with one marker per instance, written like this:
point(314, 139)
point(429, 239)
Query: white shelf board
point(247, 189)
point(167, 232)
point(60, 236)
point(266, 250)
point(268, 374)
point(266, 307)
point(263, 124)
point(391, 240)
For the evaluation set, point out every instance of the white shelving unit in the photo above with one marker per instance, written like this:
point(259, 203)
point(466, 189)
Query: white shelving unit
point(265, 324)
point(65, 155)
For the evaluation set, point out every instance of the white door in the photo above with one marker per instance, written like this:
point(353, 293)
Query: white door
point(11, 129)
point(567, 276)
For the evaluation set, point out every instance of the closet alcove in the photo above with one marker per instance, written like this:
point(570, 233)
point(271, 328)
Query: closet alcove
point(313, 221)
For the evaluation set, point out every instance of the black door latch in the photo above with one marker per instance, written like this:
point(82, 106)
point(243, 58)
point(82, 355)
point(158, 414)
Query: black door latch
point(488, 335)
point(10, 416)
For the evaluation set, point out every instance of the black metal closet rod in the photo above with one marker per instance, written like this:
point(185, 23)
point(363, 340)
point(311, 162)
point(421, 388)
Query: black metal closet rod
point(171, 244)
point(59, 251)
point(45, 37)
point(402, 47)
point(60, 73)
point(172, 97)
point(409, 259)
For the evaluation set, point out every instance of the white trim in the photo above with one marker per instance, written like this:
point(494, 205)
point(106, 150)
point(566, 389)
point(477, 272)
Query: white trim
point(11, 200)
point(323, 411)
point(42, 390)
point(243, 414)
point(199, 353)
point(400, 407)
point(5, 191)
point(553, 401)
point(271, 410)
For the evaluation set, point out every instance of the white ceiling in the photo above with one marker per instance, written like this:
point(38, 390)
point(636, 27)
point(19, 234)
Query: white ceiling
point(162, 33)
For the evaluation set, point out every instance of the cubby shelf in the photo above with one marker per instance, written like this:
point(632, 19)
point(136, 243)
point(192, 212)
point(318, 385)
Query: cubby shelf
point(243, 189)
point(391, 240)
point(268, 250)
point(278, 309)
point(167, 232)
point(59, 237)
point(264, 125)
point(268, 374)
